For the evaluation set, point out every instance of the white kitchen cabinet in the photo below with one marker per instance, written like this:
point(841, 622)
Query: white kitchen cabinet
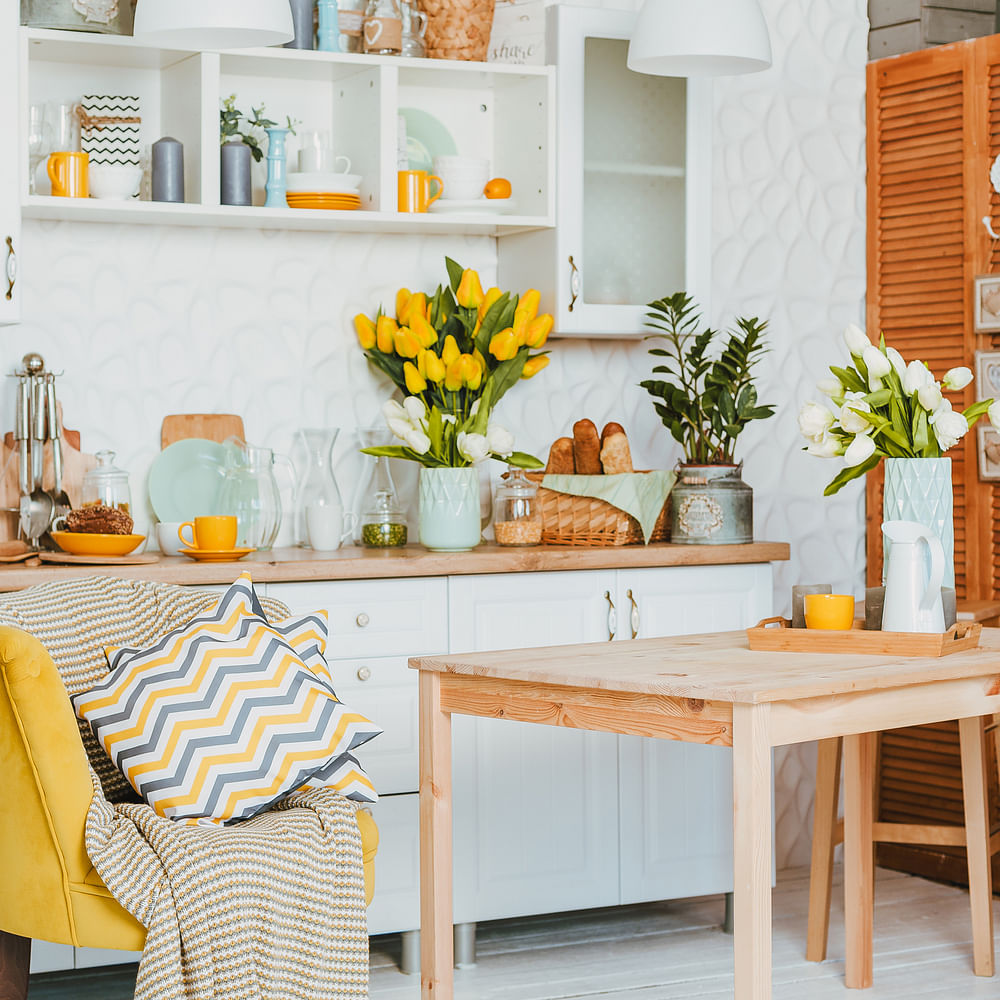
point(396, 903)
point(633, 164)
point(14, 117)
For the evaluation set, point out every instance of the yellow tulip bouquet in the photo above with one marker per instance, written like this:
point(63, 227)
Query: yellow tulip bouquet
point(454, 354)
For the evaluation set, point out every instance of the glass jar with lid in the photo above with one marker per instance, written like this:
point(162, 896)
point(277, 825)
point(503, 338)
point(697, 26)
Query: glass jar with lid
point(106, 484)
point(517, 514)
point(383, 524)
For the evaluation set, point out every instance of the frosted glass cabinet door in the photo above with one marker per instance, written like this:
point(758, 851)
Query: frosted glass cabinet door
point(15, 119)
point(535, 806)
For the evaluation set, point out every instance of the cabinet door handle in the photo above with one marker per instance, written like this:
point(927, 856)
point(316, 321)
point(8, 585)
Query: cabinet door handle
point(574, 282)
point(10, 269)
point(362, 620)
point(364, 673)
point(633, 617)
point(612, 616)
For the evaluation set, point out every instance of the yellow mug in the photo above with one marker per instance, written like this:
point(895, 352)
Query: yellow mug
point(215, 533)
point(68, 173)
point(829, 611)
point(414, 188)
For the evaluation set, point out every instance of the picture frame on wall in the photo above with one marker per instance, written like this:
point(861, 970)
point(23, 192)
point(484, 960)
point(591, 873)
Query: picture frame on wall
point(987, 303)
point(987, 374)
point(988, 441)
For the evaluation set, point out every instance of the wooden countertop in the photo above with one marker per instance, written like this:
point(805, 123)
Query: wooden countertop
point(352, 563)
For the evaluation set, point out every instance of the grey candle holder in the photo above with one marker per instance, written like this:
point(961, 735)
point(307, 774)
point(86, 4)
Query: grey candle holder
point(799, 592)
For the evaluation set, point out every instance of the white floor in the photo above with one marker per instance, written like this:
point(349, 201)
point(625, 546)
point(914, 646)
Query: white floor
point(673, 951)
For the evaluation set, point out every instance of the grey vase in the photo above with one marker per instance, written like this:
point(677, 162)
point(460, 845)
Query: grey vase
point(235, 174)
point(302, 19)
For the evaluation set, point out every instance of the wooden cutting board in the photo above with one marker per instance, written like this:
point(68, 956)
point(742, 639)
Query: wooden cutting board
point(211, 426)
point(69, 558)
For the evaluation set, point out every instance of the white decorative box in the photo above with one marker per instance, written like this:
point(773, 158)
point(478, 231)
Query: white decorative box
point(518, 34)
point(110, 128)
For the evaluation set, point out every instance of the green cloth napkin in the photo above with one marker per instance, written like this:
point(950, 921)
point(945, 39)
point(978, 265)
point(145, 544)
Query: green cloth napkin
point(641, 494)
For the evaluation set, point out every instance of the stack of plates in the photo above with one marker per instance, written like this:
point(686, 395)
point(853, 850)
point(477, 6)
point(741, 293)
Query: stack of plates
point(323, 199)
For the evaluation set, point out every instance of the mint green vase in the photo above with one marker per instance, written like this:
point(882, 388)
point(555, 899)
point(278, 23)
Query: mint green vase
point(449, 509)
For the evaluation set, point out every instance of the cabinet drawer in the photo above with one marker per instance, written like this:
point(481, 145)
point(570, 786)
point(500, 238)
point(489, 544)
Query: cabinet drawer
point(375, 617)
point(396, 904)
point(386, 691)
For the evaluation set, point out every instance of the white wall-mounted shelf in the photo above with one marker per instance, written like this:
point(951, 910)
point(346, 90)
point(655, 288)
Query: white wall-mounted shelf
point(633, 169)
point(499, 111)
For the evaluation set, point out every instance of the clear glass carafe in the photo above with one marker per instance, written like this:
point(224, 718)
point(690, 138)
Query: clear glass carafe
point(317, 485)
point(517, 515)
point(250, 492)
point(106, 484)
point(414, 27)
point(383, 521)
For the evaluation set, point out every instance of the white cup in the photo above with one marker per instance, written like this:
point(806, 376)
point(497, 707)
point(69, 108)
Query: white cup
point(322, 161)
point(325, 526)
point(166, 537)
point(464, 177)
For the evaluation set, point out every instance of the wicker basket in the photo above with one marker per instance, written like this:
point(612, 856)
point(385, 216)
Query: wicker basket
point(458, 29)
point(586, 521)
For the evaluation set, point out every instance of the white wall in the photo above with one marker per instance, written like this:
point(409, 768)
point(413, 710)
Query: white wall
point(147, 321)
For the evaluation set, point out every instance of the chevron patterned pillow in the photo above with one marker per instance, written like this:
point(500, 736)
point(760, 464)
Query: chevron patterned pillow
point(227, 714)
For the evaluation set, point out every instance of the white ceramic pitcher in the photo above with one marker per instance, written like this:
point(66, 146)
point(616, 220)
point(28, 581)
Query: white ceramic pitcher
point(912, 595)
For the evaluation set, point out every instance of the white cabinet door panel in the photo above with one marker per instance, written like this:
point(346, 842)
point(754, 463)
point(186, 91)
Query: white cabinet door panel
point(15, 118)
point(536, 825)
point(396, 904)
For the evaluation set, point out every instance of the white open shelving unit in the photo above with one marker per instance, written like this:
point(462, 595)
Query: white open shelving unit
point(503, 112)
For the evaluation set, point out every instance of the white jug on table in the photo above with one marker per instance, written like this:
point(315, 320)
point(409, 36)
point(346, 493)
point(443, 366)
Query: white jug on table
point(912, 595)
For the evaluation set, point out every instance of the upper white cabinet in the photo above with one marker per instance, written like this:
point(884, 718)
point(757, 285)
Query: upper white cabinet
point(502, 112)
point(10, 209)
point(633, 193)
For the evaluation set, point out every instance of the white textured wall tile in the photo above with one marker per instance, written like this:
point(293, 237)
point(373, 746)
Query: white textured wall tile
point(147, 321)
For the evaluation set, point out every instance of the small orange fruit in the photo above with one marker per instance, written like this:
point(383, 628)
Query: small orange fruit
point(499, 187)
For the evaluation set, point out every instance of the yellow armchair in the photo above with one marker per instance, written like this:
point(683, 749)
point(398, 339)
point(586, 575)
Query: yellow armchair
point(49, 889)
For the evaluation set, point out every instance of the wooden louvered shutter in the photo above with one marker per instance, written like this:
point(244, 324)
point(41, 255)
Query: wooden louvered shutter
point(926, 158)
point(933, 129)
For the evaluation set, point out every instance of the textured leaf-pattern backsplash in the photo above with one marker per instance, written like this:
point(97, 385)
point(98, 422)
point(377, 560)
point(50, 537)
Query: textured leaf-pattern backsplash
point(147, 320)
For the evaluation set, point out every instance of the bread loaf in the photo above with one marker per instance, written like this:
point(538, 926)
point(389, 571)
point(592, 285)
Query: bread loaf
point(616, 456)
point(100, 520)
point(561, 457)
point(586, 448)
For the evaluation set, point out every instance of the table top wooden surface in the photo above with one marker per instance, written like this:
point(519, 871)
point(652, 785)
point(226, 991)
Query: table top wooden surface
point(717, 666)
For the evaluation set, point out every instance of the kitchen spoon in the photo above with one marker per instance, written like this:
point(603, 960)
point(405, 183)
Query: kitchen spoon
point(59, 496)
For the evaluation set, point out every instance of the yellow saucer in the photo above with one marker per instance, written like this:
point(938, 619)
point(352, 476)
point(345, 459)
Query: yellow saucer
point(216, 555)
point(83, 543)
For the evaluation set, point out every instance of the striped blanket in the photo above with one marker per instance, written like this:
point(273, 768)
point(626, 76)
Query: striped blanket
point(270, 909)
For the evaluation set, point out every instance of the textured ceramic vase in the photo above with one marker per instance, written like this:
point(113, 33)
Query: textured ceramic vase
point(919, 489)
point(449, 509)
point(276, 168)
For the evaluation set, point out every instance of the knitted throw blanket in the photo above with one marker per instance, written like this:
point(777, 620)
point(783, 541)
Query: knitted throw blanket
point(269, 909)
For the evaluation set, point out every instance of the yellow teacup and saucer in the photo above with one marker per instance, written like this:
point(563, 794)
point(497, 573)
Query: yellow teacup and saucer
point(213, 539)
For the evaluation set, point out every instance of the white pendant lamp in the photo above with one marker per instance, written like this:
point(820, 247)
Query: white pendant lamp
point(699, 38)
point(213, 24)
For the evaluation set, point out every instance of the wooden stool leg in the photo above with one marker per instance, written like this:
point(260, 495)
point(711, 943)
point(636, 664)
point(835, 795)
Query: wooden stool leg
point(828, 754)
point(15, 957)
point(972, 740)
point(859, 857)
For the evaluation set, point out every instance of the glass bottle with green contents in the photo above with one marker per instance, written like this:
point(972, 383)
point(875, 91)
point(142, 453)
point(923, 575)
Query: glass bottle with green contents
point(383, 521)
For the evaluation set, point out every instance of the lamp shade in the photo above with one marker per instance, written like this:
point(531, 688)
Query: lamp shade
point(213, 24)
point(699, 38)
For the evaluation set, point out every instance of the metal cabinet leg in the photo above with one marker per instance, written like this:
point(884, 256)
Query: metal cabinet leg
point(465, 946)
point(727, 916)
point(409, 959)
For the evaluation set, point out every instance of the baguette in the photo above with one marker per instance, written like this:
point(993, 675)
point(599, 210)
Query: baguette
point(616, 456)
point(586, 448)
point(561, 457)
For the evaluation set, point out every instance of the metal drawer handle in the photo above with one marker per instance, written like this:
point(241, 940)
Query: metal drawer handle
point(574, 282)
point(363, 620)
point(10, 269)
point(364, 673)
point(612, 616)
point(633, 617)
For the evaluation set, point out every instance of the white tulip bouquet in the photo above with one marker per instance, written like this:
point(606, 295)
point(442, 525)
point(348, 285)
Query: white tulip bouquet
point(881, 407)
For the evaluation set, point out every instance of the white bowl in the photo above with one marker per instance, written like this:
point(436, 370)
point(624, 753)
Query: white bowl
point(461, 163)
point(114, 180)
point(328, 183)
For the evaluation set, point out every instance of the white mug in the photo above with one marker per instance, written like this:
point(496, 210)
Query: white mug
point(325, 526)
point(166, 537)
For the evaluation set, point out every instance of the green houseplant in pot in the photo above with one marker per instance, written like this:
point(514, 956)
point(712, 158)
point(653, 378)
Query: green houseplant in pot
point(705, 396)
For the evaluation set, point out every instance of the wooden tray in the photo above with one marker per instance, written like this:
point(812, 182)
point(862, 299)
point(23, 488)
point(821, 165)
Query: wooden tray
point(66, 558)
point(777, 635)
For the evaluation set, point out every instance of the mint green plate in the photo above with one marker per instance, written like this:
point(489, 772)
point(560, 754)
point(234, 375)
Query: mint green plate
point(185, 479)
point(426, 138)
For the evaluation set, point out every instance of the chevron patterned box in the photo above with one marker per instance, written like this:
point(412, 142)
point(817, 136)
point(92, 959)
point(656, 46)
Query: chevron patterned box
point(110, 128)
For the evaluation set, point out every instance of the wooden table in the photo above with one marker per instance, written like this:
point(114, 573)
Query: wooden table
point(710, 689)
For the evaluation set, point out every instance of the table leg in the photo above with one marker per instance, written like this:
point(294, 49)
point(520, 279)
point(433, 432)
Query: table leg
point(824, 823)
point(859, 857)
point(752, 851)
point(436, 960)
point(972, 740)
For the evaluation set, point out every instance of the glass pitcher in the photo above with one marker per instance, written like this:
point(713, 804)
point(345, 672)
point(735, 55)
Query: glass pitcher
point(414, 24)
point(317, 486)
point(250, 492)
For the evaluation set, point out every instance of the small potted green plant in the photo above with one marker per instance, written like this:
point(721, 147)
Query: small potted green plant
point(705, 396)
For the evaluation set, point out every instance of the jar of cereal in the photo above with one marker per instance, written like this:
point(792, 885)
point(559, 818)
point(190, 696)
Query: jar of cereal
point(517, 516)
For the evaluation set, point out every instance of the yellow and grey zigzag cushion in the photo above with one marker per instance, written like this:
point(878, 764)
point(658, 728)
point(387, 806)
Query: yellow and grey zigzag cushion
point(220, 718)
